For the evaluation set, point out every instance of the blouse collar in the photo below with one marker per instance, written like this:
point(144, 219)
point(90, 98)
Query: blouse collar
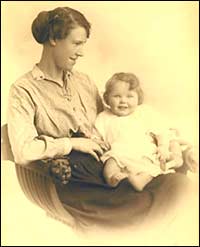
point(38, 75)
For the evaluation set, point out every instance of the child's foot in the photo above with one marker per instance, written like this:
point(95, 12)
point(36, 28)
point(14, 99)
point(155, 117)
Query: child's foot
point(140, 180)
point(116, 178)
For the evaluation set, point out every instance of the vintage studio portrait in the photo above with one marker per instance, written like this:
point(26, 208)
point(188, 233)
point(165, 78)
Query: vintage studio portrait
point(99, 131)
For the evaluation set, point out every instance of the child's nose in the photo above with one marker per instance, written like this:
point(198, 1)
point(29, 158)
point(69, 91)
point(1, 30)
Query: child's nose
point(123, 99)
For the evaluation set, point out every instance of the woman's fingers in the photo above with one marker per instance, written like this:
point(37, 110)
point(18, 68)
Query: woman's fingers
point(97, 148)
point(94, 154)
point(105, 146)
point(87, 145)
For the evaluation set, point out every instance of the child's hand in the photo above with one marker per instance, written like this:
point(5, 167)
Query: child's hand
point(163, 153)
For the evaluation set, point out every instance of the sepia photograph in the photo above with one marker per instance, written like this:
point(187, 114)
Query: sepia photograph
point(100, 123)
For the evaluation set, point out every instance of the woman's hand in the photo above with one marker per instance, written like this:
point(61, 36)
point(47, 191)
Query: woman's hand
point(104, 145)
point(87, 145)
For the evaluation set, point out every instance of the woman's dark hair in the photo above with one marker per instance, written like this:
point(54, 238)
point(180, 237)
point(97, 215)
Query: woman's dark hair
point(57, 23)
point(129, 78)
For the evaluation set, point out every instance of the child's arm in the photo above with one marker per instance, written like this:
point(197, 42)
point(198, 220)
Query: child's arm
point(169, 142)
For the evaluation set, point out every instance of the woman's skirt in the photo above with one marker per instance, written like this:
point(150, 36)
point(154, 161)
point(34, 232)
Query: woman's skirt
point(91, 201)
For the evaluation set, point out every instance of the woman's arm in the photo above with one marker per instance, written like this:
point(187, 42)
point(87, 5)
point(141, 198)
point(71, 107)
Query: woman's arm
point(26, 144)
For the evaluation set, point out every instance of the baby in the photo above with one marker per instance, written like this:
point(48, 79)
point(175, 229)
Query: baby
point(139, 144)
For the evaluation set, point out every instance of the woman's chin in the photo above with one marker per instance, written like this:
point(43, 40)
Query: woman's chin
point(68, 67)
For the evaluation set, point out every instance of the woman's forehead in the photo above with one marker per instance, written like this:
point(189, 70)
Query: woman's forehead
point(78, 34)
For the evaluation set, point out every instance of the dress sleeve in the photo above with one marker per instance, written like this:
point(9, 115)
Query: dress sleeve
point(26, 144)
point(100, 126)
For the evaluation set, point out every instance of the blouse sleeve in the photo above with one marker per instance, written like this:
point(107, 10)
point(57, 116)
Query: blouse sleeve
point(26, 144)
point(96, 95)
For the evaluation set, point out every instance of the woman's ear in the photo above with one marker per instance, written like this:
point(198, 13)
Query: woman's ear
point(52, 42)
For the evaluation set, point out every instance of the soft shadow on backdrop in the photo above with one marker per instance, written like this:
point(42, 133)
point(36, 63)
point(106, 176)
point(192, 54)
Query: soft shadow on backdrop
point(158, 41)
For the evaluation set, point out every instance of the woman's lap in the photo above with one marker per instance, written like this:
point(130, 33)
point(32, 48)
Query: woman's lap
point(89, 197)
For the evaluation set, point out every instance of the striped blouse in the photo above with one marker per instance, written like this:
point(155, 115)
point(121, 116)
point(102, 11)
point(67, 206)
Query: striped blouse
point(43, 114)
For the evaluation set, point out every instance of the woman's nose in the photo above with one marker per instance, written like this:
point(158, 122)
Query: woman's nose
point(80, 52)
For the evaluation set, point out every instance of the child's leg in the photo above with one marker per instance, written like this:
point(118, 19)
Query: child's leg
point(112, 173)
point(139, 180)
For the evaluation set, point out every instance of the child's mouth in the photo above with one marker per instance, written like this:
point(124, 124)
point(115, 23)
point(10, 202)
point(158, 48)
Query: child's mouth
point(122, 107)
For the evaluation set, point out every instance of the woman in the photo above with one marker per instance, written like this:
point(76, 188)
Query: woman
point(51, 111)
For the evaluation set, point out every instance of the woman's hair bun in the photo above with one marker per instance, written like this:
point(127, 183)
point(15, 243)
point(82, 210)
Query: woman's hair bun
point(40, 27)
point(57, 24)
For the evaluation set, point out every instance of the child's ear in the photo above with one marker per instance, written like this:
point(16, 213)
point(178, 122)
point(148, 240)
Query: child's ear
point(105, 101)
point(105, 97)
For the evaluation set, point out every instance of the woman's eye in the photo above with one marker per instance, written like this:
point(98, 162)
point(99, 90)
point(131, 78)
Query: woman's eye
point(77, 43)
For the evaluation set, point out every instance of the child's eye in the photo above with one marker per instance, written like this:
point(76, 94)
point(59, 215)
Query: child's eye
point(130, 96)
point(116, 96)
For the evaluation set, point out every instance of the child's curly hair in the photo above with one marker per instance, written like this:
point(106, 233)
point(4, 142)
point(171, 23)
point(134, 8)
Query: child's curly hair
point(130, 78)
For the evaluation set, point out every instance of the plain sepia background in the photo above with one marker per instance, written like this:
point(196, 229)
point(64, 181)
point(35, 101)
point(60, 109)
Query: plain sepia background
point(157, 41)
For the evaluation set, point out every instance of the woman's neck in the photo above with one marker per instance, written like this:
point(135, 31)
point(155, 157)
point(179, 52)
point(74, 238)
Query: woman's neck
point(48, 67)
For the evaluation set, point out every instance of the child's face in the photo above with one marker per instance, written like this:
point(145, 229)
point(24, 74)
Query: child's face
point(122, 100)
